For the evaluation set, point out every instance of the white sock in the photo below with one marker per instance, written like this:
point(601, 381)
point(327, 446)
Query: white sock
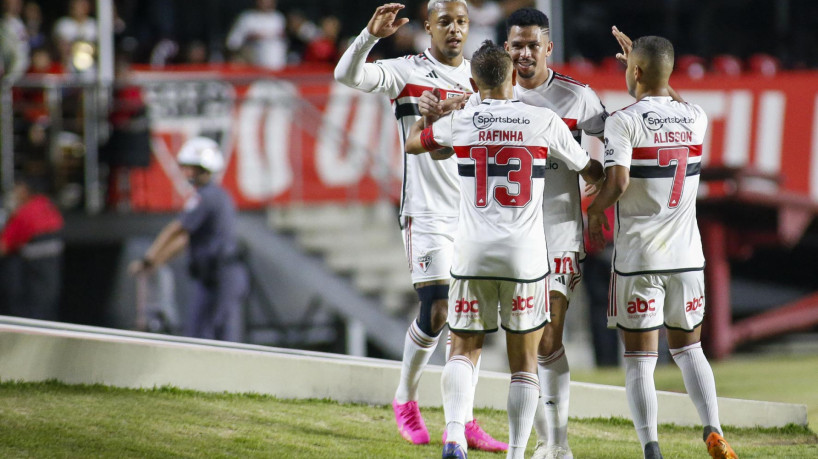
point(699, 382)
point(455, 384)
point(417, 350)
point(475, 377)
point(555, 381)
point(523, 395)
point(641, 391)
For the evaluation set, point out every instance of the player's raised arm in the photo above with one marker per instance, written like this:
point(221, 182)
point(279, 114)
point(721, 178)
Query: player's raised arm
point(352, 69)
point(627, 46)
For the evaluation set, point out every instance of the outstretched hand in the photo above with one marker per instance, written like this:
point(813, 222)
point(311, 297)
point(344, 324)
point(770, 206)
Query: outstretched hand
point(385, 22)
point(625, 42)
point(430, 106)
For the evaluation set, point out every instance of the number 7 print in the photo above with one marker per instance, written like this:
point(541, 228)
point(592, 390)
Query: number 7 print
point(666, 157)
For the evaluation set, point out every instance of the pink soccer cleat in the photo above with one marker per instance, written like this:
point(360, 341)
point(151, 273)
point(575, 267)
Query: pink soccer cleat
point(477, 438)
point(410, 422)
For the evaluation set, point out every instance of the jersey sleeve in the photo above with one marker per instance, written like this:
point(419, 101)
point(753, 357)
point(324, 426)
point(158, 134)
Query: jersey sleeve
point(564, 147)
point(394, 74)
point(618, 141)
point(439, 134)
point(594, 114)
point(474, 100)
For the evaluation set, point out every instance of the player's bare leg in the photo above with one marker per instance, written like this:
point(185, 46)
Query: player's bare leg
point(455, 384)
point(641, 352)
point(419, 344)
point(551, 418)
point(686, 349)
point(524, 390)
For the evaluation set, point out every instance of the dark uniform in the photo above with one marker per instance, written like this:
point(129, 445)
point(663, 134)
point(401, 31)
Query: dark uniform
point(220, 279)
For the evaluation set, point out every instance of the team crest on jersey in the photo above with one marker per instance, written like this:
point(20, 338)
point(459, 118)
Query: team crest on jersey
point(424, 261)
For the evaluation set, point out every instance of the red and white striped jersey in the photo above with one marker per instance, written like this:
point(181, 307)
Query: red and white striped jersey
point(660, 141)
point(502, 147)
point(580, 108)
point(429, 187)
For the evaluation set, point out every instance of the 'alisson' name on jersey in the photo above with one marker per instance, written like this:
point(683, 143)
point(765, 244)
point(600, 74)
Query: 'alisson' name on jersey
point(500, 136)
point(673, 137)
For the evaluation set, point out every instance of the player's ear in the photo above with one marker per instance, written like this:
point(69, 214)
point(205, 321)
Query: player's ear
point(473, 85)
point(427, 27)
point(638, 73)
point(549, 48)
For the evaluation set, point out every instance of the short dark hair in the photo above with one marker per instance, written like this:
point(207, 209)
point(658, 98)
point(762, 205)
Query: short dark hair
point(490, 64)
point(525, 17)
point(658, 50)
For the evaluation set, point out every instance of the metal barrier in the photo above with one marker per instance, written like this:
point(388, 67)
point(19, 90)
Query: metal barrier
point(91, 95)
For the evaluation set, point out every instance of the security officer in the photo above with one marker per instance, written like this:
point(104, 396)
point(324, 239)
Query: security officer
point(207, 226)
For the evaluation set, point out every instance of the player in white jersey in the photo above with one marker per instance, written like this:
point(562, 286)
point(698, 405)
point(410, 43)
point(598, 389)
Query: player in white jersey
point(579, 107)
point(430, 194)
point(501, 256)
point(653, 159)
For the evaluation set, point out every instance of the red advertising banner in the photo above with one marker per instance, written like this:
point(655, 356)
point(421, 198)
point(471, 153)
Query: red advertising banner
point(299, 136)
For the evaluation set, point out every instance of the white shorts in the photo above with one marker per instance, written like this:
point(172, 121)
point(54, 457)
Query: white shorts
point(474, 304)
point(565, 273)
point(648, 301)
point(429, 243)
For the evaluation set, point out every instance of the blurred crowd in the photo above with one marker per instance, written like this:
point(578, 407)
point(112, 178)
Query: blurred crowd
point(54, 36)
point(43, 38)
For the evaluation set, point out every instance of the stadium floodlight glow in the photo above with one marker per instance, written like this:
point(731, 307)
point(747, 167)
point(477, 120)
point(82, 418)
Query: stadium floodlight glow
point(82, 56)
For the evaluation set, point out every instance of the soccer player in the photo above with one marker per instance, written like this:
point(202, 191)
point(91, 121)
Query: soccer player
point(579, 107)
point(430, 194)
point(501, 257)
point(653, 158)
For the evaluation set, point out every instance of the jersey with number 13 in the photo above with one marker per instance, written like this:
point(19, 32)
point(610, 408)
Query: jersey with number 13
point(660, 141)
point(501, 148)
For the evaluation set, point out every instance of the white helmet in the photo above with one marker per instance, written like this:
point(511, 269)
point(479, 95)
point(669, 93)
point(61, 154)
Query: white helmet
point(202, 152)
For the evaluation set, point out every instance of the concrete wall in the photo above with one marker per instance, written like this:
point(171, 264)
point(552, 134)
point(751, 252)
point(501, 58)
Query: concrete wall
point(35, 351)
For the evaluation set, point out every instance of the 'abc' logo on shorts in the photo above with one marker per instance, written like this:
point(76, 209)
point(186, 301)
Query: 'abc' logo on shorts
point(694, 305)
point(466, 306)
point(521, 304)
point(639, 306)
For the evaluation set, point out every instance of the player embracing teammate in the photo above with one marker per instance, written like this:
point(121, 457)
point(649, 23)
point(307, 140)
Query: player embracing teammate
point(579, 107)
point(501, 259)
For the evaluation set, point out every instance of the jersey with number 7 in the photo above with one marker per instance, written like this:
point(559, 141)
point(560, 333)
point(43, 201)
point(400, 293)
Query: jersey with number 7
point(660, 141)
point(501, 148)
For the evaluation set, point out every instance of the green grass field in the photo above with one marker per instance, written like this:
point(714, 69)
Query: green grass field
point(55, 420)
point(784, 378)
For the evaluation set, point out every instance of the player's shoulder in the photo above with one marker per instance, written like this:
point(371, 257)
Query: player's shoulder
point(693, 108)
point(544, 116)
point(571, 87)
point(562, 79)
point(629, 114)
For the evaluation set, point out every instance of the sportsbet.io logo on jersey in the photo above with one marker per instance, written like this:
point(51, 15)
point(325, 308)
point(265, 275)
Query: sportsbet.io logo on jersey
point(654, 122)
point(483, 120)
